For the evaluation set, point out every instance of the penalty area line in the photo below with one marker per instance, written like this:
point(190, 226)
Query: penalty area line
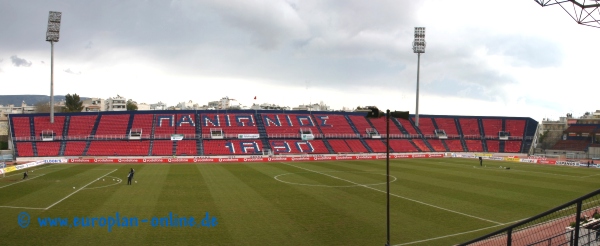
point(405, 198)
point(83, 187)
point(22, 181)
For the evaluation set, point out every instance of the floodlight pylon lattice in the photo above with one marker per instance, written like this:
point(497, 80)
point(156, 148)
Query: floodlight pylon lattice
point(52, 35)
point(584, 12)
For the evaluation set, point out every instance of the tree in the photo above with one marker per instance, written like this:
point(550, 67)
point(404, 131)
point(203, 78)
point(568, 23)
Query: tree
point(131, 105)
point(44, 107)
point(73, 103)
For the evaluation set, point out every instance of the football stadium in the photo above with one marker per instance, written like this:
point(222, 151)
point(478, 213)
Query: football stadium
point(279, 176)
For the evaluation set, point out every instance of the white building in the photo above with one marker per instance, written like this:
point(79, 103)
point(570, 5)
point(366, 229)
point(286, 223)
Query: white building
point(143, 106)
point(314, 107)
point(12, 109)
point(158, 106)
point(189, 105)
point(225, 103)
point(117, 103)
point(93, 105)
point(268, 106)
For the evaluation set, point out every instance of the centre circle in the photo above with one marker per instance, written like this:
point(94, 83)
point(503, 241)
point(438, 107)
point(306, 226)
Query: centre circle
point(280, 179)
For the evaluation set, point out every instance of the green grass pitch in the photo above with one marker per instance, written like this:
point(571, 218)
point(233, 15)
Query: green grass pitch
point(433, 201)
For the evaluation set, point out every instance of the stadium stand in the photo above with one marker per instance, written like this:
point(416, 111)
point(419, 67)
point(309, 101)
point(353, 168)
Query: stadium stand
point(339, 146)
point(512, 146)
point(42, 124)
point(437, 145)
point(448, 125)
point(361, 124)
point(48, 148)
point(288, 125)
point(381, 124)
point(454, 145)
point(232, 147)
point(81, 126)
point(75, 148)
point(230, 124)
point(402, 145)
point(492, 127)
point(377, 145)
point(113, 125)
point(493, 146)
point(119, 148)
point(21, 127)
point(474, 145)
point(162, 148)
point(106, 133)
point(421, 145)
point(356, 146)
point(574, 145)
point(334, 125)
point(469, 126)
point(186, 147)
point(426, 126)
point(515, 127)
point(408, 126)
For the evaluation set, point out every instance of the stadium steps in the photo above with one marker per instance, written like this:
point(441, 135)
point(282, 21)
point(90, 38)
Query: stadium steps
point(328, 146)
point(501, 146)
point(150, 147)
point(65, 132)
point(31, 127)
point(153, 126)
point(129, 124)
point(262, 131)
point(428, 144)
point(366, 145)
point(460, 133)
point(397, 123)
point(63, 145)
point(372, 126)
point(445, 145)
point(481, 133)
point(413, 144)
point(199, 146)
point(93, 133)
point(412, 122)
point(174, 148)
point(34, 147)
point(352, 125)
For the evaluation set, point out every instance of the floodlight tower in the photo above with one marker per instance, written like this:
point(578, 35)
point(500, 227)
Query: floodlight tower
point(418, 47)
point(52, 34)
point(584, 12)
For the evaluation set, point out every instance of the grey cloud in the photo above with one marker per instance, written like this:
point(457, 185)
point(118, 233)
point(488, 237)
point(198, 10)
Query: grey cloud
point(20, 62)
point(69, 71)
point(528, 51)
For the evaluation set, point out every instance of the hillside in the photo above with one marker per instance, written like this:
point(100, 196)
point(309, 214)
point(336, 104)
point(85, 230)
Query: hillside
point(29, 99)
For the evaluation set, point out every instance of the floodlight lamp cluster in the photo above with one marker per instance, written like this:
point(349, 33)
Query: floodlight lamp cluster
point(52, 33)
point(419, 42)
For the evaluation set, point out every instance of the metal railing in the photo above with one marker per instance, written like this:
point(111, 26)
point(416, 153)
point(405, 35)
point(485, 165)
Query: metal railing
point(572, 223)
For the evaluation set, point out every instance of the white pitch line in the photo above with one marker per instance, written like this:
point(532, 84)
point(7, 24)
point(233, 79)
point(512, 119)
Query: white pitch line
point(19, 207)
point(83, 187)
point(21, 181)
point(590, 176)
point(452, 235)
point(406, 198)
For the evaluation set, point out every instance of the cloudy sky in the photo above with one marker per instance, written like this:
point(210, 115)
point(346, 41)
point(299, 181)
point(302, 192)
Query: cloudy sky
point(507, 58)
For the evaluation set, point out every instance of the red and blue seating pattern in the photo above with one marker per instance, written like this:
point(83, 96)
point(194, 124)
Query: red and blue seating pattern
point(253, 132)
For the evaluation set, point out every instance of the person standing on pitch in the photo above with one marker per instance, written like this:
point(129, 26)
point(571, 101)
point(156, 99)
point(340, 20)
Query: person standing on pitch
point(480, 161)
point(130, 176)
point(25, 175)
